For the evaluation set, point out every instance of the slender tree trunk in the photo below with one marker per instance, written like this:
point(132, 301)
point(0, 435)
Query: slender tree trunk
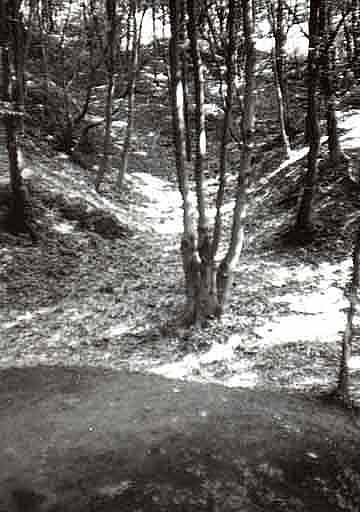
point(18, 43)
point(304, 215)
point(206, 305)
point(155, 41)
point(43, 42)
point(110, 66)
point(10, 87)
point(189, 253)
point(136, 39)
point(281, 112)
point(106, 160)
point(343, 379)
point(228, 265)
point(185, 81)
point(279, 69)
point(230, 88)
point(355, 30)
point(327, 81)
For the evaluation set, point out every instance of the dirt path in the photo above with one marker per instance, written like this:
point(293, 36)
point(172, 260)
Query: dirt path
point(94, 440)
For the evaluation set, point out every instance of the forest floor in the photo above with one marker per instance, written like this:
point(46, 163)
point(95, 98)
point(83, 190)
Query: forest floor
point(81, 299)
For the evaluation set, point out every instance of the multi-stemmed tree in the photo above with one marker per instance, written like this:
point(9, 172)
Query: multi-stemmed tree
point(208, 281)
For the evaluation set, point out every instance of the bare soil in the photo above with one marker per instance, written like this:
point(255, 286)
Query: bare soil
point(81, 439)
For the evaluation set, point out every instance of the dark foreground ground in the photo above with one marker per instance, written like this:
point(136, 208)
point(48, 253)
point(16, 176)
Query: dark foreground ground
point(82, 439)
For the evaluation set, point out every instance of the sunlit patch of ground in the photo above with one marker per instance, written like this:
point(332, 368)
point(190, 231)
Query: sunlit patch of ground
point(350, 122)
point(294, 321)
point(164, 207)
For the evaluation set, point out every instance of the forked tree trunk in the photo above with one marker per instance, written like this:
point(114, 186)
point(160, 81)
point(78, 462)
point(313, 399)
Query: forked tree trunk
point(304, 214)
point(188, 242)
point(228, 265)
point(230, 90)
point(208, 286)
point(206, 304)
point(343, 379)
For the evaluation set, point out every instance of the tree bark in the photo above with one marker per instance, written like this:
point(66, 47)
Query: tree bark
point(110, 66)
point(206, 305)
point(230, 88)
point(8, 13)
point(185, 81)
point(228, 265)
point(189, 253)
point(281, 110)
point(304, 214)
point(355, 30)
point(327, 81)
point(343, 378)
point(279, 69)
point(136, 37)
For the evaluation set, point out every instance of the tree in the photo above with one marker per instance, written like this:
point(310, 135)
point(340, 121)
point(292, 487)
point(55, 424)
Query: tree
point(228, 264)
point(329, 31)
point(304, 214)
point(110, 70)
point(188, 242)
point(12, 63)
point(208, 283)
point(342, 390)
point(134, 34)
point(276, 16)
point(355, 33)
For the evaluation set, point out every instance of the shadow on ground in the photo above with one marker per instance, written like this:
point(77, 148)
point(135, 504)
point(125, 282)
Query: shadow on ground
point(98, 440)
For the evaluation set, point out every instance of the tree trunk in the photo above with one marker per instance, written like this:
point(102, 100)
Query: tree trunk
point(136, 37)
point(9, 13)
point(189, 253)
point(206, 301)
point(304, 215)
point(228, 265)
point(279, 69)
point(327, 79)
point(110, 66)
point(18, 44)
point(355, 30)
point(343, 379)
point(230, 88)
point(185, 81)
point(281, 111)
